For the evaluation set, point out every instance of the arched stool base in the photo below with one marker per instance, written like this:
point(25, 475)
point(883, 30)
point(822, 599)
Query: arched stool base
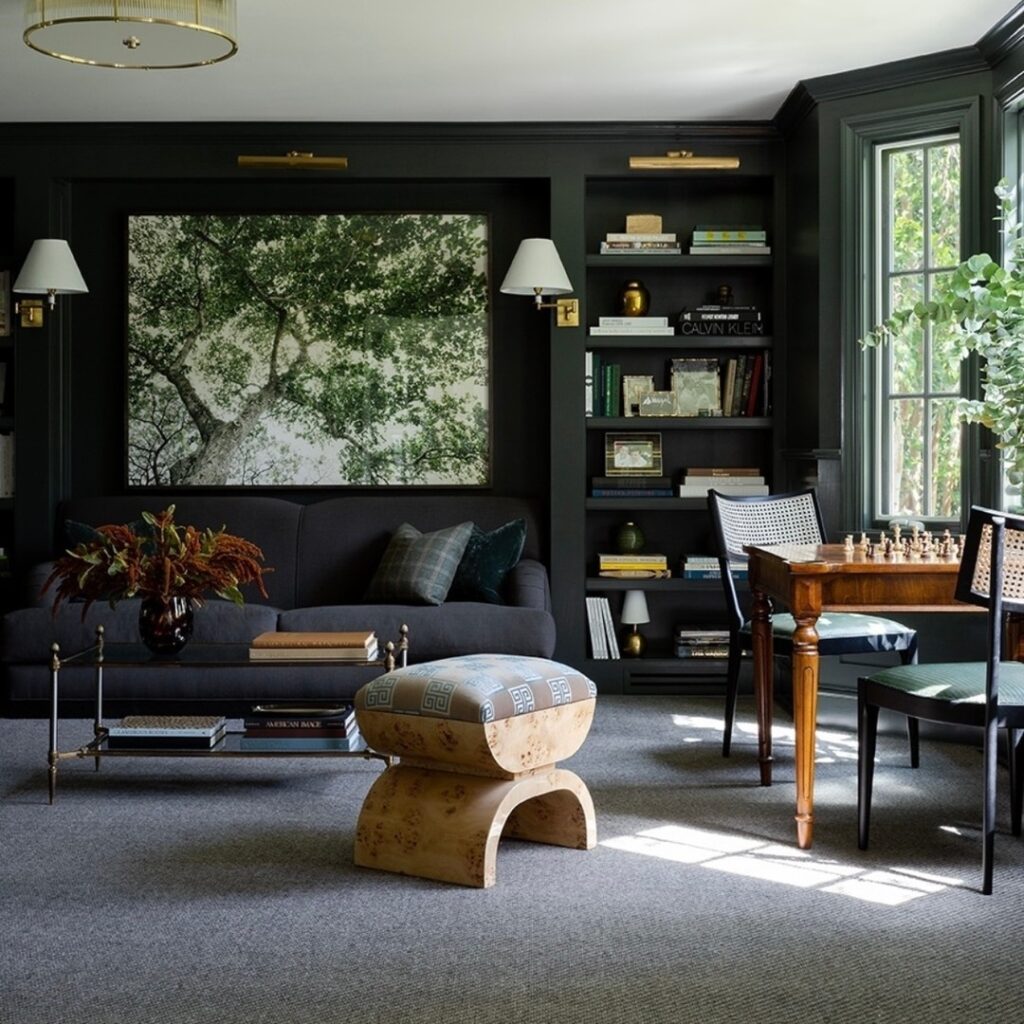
point(446, 826)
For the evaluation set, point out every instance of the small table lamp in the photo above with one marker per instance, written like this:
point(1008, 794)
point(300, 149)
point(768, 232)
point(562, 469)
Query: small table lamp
point(634, 612)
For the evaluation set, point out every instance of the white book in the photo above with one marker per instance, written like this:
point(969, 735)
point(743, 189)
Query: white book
point(725, 481)
point(598, 644)
point(588, 384)
point(737, 490)
point(625, 236)
point(609, 628)
point(168, 725)
point(632, 321)
point(642, 329)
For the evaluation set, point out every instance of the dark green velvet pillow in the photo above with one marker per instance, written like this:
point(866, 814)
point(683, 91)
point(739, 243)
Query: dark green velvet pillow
point(418, 568)
point(488, 558)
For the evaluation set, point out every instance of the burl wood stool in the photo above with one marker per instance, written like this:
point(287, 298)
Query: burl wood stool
point(478, 738)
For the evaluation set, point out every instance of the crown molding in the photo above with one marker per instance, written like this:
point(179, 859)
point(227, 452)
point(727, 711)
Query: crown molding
point(965, 60)
point(1005, 36)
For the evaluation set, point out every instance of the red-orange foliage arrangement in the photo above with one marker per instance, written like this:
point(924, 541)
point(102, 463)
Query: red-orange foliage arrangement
point(164, 562)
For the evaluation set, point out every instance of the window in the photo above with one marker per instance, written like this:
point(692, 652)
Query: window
point(917, 436)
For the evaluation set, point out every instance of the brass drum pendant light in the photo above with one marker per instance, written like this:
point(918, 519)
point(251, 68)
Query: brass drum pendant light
point(145, 34)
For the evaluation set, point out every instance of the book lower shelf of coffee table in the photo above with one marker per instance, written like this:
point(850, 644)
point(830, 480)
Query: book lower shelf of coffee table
point(230, 746)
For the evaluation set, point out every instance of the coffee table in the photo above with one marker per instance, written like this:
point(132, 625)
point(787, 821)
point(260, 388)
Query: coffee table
point(106, 656)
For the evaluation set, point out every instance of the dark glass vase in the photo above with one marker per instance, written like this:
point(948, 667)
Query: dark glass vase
point(165, 626)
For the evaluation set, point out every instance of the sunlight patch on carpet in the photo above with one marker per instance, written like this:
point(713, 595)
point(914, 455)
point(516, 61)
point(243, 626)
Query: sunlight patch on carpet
point(782, 865)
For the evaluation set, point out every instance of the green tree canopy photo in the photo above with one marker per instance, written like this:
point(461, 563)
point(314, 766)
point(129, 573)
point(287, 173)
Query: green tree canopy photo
point(308, 350)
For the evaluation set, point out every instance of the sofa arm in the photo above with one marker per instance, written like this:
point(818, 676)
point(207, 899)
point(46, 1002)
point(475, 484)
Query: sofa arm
point(526, 586)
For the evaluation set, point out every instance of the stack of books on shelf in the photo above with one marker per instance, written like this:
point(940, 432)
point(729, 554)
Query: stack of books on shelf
point(166, 732)
point(288, 727)
point(701, 643)
point(716, 321)
point(612, 326)
point(631, 487)
point(604, 644)
point(730, 240)
point(621, 243)
point(706, 567)
point(633, 567)
point(736, 480)
point(358, 646)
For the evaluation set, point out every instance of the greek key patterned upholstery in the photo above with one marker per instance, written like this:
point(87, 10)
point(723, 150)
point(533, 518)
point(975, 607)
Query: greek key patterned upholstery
point(476, 688)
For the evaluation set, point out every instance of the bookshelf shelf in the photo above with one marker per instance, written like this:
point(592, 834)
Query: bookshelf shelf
point(681, 342)
point(684, 260)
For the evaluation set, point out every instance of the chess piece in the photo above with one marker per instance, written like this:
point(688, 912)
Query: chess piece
point(896, 533)
point(862, 544)
point(848, 544)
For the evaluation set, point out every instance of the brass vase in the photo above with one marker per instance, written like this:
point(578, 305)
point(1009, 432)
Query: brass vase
point(634, 299)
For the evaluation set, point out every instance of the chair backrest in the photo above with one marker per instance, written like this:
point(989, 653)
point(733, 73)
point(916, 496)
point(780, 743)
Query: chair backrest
point(771, 519)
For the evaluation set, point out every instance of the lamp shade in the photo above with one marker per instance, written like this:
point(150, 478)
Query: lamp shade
point(133, 33)
point(536, 269)
point(50, 269)
point(634, 608)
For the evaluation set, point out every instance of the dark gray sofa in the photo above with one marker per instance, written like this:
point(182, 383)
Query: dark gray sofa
point(323, 556)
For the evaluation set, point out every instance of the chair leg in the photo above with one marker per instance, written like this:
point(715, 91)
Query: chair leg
point(732, 688)
point(988, 817)
point(867, 733)
point(909, 657)
point(913, 734)
point(1015, 759)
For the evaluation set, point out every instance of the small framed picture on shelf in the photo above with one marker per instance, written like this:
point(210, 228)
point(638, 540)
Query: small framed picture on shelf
point(658, 403)
point(636, 454)
point(634, 386)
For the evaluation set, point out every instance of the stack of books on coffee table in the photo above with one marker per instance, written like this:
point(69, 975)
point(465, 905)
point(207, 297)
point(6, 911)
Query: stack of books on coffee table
point(357, 646)
point(166, 732)
point(301, 728)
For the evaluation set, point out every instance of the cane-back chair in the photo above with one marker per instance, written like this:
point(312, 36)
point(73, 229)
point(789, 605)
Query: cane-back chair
point(987, 693)
point(791, 519)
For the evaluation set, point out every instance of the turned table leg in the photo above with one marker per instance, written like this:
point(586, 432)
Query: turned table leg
point(805, 722)
point(761, 639)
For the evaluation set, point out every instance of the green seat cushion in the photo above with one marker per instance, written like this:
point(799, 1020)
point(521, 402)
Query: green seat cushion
point(476, 688)
point(841, 626)
point(959, 682)
point(418, 568)
point(487, 560)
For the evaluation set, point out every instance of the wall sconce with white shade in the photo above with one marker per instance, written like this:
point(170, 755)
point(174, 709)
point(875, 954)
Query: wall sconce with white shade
point(537, 270)
point(634, 613)
point(50, 270)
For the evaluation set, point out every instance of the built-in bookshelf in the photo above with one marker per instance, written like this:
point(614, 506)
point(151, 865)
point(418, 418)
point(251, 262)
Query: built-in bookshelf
point(731, 435)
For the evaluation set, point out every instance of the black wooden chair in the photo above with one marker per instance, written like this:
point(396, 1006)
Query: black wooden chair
point(988, 693)
point(791, 519)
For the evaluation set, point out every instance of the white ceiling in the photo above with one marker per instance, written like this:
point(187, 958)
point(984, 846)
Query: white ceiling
point(482, 60)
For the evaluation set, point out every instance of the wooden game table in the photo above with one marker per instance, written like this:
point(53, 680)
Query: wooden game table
point(809, 579)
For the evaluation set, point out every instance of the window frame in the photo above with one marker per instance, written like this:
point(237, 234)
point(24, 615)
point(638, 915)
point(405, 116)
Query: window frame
point(859, 140)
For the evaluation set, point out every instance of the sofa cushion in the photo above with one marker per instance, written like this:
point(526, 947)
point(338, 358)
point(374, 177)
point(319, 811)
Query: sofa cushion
point(487, 560)
point(476, 688)
point(418, 568)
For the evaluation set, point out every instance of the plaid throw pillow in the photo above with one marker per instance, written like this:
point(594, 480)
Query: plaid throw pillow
point(418, 568)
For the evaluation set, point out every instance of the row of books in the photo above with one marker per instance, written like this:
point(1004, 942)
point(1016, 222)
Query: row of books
point(289, 727)
point(734, 386)
point(612, 326)
point(631, 487)
point(744, 481)
point(695, 483)
point(604, 644)
point(354, 646)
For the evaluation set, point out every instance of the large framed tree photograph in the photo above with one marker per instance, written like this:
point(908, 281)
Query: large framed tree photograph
point(305, 350)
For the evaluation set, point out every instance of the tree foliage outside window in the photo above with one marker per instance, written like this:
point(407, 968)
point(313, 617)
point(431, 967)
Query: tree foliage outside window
point(918, 436)
point(308, 350)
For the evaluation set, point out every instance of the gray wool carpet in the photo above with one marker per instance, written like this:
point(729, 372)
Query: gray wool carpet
point(223, 891)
